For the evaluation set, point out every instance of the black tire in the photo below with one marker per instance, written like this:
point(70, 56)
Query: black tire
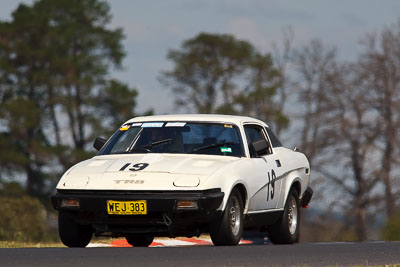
point(227, 230)
point(140, 240)
point(286, 229)
point(72, 234)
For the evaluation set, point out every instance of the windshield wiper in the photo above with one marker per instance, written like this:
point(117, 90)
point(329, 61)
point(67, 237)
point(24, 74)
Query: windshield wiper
point(148, 147)
point(211, 146)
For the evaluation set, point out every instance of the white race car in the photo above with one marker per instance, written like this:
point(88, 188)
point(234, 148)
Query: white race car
point(183, 175)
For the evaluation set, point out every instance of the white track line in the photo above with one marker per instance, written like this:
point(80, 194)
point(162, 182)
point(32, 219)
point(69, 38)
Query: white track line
point(98, 245)
point(174, 242)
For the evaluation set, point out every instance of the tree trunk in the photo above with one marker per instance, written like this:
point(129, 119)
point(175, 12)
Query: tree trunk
point(53, 115)
point(360, 192)
point(361, 222)
point(81, 119)
point(388, 151)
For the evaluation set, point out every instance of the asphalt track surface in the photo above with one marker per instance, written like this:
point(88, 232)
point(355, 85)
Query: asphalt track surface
point(311, 254)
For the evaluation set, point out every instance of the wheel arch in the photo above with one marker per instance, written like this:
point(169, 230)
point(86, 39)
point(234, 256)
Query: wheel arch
point(243, 193)
point(292, 181)
point(296, 185)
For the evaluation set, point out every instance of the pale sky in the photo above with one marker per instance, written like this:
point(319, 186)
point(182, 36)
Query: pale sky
point(154, 27)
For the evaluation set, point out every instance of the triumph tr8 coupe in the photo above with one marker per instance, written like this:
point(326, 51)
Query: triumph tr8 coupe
point(184, 175)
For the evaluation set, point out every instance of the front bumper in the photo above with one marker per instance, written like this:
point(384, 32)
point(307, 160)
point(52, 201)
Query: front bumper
point(163, 217)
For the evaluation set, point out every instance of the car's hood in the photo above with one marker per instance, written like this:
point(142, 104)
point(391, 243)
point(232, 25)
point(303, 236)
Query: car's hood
point(157, 163)
point(143, 172)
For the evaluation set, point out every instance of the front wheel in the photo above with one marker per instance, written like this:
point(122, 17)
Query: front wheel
point(286, 229)
point(227, 231)
point(140, 240)
point(73, 234)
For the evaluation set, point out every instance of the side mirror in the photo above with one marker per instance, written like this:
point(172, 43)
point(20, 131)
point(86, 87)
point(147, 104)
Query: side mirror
point(260, 147)
point(99, 143)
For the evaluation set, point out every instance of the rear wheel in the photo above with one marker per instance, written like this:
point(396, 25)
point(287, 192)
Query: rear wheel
point(140, 240)
point(286, 229)
point(73, 234)
point(227, 231)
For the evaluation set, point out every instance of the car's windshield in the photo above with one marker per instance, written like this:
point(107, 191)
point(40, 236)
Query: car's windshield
point(176, 137)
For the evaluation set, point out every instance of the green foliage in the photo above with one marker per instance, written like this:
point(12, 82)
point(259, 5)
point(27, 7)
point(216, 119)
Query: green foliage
point(118, 104)
point(25, 142)
point(217, 73)
point(391, 231)
point(22, 217)
point(257, 99)
point(55, 57)
point(204, 70)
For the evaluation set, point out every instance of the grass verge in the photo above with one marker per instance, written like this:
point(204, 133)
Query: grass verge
point(19, 244)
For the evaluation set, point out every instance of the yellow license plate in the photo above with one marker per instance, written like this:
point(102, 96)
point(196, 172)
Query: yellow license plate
point(127, 207)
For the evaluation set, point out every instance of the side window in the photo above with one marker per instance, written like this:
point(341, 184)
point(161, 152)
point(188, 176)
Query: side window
point(254, 133)
point(274, 140)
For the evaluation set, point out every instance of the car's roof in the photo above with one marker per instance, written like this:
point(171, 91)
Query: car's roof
point(197, 117)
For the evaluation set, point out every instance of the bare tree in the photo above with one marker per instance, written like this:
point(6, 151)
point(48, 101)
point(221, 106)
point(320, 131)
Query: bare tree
point(338, 134)
point(380, 70)
point(354, 135)
point(315, 65)
point(282, 56)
